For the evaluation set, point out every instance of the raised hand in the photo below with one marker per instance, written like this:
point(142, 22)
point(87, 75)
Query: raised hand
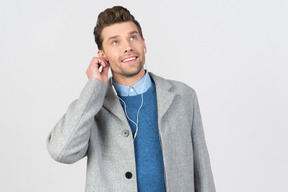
point(94, 69)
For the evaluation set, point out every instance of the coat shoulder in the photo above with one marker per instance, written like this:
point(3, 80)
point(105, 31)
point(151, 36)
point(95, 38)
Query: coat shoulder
point(174, 86)
point(181, 87)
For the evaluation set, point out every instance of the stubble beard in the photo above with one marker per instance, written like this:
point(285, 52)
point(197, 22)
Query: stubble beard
point(129, 73)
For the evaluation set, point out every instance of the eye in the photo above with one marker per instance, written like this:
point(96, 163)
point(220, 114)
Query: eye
point(114, 42)
point(133, 38)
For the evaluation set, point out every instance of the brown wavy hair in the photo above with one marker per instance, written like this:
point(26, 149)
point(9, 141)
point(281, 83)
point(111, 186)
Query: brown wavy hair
point(110, 16)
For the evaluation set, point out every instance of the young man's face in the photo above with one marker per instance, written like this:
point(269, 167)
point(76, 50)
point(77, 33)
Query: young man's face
point(124, 48)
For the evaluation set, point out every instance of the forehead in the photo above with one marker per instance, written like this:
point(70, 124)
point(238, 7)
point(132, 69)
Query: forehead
point(118, 29)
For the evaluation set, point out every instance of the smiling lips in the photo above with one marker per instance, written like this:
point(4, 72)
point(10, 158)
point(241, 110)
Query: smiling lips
point(129, 59)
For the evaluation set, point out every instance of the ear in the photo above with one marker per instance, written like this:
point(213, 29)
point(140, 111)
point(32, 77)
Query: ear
point(101, 53)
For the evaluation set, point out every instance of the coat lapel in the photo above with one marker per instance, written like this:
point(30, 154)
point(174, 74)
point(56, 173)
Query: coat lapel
point(165, 96)
point(112, 103)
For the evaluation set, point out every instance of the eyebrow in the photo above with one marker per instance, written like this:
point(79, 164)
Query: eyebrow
point(113, 37)
point(133, 32)
point(116, 36)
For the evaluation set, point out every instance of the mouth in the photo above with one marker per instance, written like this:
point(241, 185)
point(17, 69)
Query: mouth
point(129, 59)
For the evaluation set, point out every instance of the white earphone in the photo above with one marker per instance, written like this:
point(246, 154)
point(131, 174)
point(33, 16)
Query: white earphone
point(142, 102)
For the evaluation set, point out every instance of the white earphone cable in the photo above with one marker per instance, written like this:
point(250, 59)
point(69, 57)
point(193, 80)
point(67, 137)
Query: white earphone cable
point(125, 105)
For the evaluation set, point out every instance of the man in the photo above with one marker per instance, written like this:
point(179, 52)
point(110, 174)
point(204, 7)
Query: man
point(140, 132)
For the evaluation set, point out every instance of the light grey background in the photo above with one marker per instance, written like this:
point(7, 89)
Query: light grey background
point(233, 53)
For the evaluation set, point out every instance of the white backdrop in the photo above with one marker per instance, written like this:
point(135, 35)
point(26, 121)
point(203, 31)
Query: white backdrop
point(233, 53)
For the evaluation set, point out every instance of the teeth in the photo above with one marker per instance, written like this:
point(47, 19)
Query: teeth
point(129, 59)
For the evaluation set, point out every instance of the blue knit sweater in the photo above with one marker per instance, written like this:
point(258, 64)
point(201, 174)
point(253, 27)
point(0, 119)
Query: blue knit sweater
point(148, 153)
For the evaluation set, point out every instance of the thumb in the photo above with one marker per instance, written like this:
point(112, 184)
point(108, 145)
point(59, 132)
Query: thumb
point(105, 70)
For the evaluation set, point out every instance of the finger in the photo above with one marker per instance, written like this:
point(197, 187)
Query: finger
point(105, 70)
point(105, 58)
point(101, 61)
point(96, 63)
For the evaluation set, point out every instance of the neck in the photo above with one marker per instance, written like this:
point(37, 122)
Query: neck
point(128, 81)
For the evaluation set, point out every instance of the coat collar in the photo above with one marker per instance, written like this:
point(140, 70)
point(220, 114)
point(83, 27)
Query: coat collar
point(163, 91)
point(112, 103)
point(164, 94)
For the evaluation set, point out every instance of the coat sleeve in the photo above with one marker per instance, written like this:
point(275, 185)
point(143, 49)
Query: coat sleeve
point(68, 141)
point(203, 177)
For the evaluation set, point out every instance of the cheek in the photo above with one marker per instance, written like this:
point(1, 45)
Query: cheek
point(112, 58)
point(114, 54)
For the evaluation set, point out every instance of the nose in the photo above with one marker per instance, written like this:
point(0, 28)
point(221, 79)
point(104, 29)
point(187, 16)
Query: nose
point(128, 48)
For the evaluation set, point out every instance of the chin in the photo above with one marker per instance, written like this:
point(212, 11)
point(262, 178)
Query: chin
point(130, 74)
point(134, 72)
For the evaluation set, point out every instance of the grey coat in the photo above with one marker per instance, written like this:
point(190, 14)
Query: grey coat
point(95, 126)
